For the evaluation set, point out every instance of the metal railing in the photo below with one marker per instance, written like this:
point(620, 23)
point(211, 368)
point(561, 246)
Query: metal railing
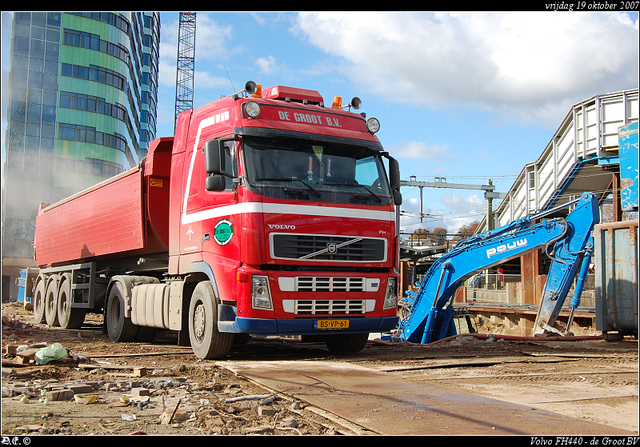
point(507, 289)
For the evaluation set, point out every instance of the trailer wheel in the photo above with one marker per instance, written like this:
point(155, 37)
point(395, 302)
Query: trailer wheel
point(346, 343)
point(206, 341)
point(119, 327)
point(51, 301)
point(68, 317)
point(38, 301)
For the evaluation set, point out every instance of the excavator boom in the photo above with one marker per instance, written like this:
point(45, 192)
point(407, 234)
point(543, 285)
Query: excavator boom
point(568, 243)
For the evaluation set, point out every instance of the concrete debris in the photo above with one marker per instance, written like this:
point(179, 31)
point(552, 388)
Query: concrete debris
point(290, 422)
point(266, 411)
point(176, 402)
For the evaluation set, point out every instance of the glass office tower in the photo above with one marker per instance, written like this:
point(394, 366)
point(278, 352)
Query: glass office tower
point(82, 108)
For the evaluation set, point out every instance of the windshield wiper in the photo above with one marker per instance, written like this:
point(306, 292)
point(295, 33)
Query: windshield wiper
point(291, 179)
point(376, 196)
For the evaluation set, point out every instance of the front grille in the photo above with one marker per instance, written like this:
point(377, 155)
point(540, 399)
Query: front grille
point(329, 307)
point(328, 284)
point(324, 284)
point(304, 247)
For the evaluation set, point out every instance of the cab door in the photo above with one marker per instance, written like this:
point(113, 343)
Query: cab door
point(209, 216)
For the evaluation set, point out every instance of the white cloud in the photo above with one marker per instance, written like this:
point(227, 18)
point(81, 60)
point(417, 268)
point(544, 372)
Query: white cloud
point(455, 210)
point(463, 204)
point(168, 52)
point(260, 19)
point(461, 211)
point(212, 39)
point(267, 64)
point(528, 66)
point(204, 80)
point(417, 150)
point(212, 44)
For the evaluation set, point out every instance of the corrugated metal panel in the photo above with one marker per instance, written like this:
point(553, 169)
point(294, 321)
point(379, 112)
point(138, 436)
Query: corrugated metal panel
point(616, 267)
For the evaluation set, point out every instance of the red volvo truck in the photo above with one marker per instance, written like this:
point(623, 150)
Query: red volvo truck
point(267, 213)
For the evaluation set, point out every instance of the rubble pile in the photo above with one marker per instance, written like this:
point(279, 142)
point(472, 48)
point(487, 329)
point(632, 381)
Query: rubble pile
point(152, 404)
point(206, 408)
point(111, 394)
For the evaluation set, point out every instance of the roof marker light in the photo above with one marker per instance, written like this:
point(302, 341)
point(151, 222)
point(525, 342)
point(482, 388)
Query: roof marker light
point(337, 102)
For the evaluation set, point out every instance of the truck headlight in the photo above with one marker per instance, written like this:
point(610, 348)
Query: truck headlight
point(253, 109)
point(260, 294)
point(373, 125)
point(390, 296)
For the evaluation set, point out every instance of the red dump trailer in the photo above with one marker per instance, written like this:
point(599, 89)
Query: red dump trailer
point(267, 213)
point(127, 215)
point(116, 226)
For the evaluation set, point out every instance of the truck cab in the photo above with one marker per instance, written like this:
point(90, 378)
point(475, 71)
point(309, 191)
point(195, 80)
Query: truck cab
point(285, 209)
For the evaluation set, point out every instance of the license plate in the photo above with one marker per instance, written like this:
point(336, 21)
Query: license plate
point(332, 324)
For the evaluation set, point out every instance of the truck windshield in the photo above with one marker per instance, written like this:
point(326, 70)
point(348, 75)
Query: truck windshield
point(320, 171)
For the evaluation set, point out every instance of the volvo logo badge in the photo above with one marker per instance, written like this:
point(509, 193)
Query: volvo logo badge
point(331, 248)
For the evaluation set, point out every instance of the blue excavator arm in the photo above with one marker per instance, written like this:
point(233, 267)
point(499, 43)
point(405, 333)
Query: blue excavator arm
point(568, 242)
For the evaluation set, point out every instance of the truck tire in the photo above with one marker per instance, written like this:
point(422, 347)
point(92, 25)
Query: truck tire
point(119, 327)
point(146, 334)
point(51, 301)
point(346, 343)
point(68, 317)
point(206, 341)
point(39, 301)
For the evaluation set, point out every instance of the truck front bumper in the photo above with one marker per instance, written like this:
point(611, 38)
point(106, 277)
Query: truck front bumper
point(229, 322)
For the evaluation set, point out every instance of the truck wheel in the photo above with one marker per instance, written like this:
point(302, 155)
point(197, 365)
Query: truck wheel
point(206, 341)
point(51, 301)
point(68, 317)
point(346, 343)
point(38, 302)
point(119, 327)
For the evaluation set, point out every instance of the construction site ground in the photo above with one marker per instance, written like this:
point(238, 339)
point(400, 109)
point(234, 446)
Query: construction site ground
point(466, 385)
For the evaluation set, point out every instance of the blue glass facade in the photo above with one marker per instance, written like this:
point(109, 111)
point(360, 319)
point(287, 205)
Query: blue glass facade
point(82, 108)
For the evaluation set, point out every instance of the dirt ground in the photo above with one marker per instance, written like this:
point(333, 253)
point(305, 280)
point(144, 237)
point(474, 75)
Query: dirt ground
point(106, 388)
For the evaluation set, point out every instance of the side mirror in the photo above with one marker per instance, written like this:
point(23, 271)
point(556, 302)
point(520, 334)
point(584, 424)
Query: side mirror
point(394, 174)
point(215, 166)
point(394, 180)
point(215, 183)
point(397, 198)
point(214, 157)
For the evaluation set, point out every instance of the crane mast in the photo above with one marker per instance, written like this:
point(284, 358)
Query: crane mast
point(185, 63)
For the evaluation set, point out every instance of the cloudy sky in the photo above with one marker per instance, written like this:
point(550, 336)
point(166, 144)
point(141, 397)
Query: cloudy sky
point(465, 96)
